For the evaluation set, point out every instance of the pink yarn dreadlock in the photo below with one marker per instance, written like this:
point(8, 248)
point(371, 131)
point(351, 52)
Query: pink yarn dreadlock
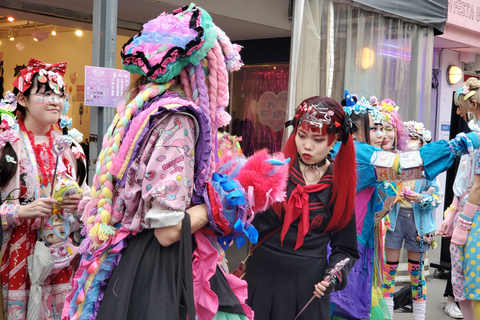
point(212, 51)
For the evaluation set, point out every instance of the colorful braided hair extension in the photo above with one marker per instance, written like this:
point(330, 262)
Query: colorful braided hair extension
point(100, 208)
point(209, 93)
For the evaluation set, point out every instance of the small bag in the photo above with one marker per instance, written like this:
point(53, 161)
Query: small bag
point(242, 266)
point(402, 299)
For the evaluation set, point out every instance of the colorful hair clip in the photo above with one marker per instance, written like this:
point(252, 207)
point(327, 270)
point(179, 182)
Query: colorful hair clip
point(10, 159)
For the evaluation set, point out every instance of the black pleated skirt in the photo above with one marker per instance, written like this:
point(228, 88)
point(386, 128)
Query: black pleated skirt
point(144, 284)
point(280, 284)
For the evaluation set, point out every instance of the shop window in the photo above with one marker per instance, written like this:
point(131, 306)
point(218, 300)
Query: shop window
point(258, 107)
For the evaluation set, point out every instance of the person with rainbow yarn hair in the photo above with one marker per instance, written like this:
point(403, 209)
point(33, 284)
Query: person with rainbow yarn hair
point(148, 190)
point(355, 300)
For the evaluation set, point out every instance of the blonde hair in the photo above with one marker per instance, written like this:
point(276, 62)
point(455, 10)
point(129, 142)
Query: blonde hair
point(464, 95)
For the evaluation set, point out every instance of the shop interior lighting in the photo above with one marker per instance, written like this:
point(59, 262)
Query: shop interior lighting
point(78, 33)
point(10, 35)
point(34, 38)
point(454, 74)
point(367, 58)
point(54, 31)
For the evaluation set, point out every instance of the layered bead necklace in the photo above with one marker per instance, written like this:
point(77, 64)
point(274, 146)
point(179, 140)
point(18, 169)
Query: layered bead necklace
point(46, 170)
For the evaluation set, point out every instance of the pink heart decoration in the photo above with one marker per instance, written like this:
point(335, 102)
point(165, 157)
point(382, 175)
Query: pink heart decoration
point(73, 77)
point(271, 109)
point(59, 146)
point(20, 46)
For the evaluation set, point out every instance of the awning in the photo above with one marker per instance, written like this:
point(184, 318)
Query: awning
point(429, 12)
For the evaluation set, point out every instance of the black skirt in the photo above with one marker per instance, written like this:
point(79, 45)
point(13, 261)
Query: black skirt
point(144, 284)
point(279, 285)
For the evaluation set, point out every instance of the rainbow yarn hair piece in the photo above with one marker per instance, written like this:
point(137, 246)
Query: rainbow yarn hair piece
point(185, 44)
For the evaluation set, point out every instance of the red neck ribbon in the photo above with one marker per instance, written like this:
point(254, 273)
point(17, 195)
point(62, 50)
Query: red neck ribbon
point(298, 206)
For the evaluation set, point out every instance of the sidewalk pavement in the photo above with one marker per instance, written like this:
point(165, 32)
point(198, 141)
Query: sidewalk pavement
point(435, 289)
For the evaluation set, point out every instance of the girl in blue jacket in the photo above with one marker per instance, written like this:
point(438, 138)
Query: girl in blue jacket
point(412, 221)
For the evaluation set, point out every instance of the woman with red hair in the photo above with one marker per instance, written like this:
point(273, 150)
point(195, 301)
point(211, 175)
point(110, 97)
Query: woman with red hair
point(292, 261)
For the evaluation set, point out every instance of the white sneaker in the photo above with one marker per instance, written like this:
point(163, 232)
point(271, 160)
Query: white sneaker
point(453, 311)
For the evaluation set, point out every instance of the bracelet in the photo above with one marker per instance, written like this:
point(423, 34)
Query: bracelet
point(465, 217)
point(10, 215)
point(464, 224)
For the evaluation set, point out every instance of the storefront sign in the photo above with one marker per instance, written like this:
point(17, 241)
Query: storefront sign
point(271, 109)
point(463, 13)
point(104, 87)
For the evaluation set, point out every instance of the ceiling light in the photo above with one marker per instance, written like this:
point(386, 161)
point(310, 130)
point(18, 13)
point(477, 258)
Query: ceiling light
point(10, 19)
point(54, 31)
point(78, 33)
point(10, 35)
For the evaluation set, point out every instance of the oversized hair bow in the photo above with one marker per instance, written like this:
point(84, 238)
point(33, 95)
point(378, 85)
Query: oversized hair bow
point(7, 136)
point(24, 80)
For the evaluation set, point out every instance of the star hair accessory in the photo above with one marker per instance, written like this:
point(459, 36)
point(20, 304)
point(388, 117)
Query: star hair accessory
point(362, 106)
point(51, 73)
point(465, 90)
point(313, 115)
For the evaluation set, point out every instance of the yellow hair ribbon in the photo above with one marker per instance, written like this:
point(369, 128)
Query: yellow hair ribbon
point(468, 95)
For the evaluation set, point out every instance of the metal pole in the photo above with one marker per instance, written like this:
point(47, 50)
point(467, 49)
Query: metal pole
point(104, 44)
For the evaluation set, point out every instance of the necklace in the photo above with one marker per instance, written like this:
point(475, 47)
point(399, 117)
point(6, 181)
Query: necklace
point(45, 169)
point(313, 167)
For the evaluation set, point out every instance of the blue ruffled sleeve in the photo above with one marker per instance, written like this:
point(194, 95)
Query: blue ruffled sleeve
point(438, 156)
point(366, 176)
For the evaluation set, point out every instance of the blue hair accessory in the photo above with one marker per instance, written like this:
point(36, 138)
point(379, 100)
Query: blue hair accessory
point(361, 106)
point(66, 105)
point(65, 121)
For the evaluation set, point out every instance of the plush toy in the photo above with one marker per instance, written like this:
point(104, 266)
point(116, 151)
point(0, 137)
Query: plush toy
point(57, 228)
point(64, 188)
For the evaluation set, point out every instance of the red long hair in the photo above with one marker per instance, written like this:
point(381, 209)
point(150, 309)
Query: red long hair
point(344, 171)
